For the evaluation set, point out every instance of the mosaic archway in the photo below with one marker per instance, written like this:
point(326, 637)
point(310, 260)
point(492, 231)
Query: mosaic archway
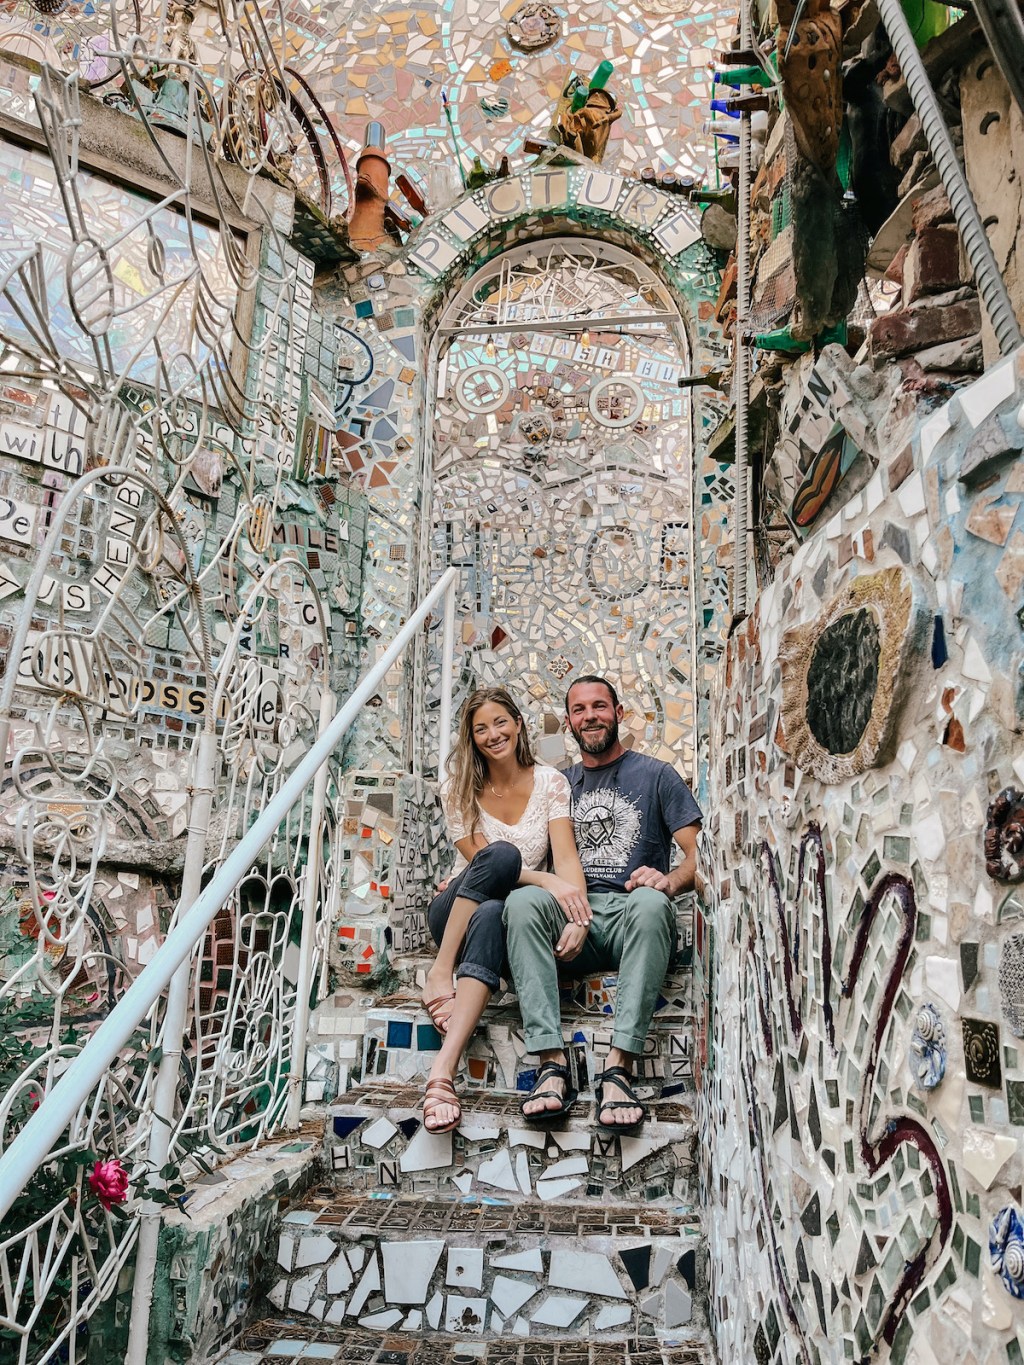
point(562, 482)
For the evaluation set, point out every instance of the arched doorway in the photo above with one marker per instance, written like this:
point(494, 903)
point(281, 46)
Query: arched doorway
point(561, 479)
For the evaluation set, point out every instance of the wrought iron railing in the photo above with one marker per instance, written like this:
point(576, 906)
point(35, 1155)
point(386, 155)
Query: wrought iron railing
point(246, 1046)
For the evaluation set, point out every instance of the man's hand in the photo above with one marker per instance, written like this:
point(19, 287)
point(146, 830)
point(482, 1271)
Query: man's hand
point(570, 945)
point(650, 876)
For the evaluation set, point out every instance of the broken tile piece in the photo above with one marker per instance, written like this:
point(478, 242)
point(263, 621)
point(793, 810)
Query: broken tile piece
point(558, 1310)
point(408, 1267)
point(497, 1171)
point(557, 1189)
point(339, 1276)
point(426, 1152)
point(378, 1133)
point(586, 1271)
point(573, 1165)
point(302, 1291)
point(678, 1305)
point(465, 1267)
point(613, 1315)
point(464, 1315)
point(368, 1285)
point(986, 1153)
point(525, 1137)
point(509, 1295)
point(520, 1260)
point(383, 1320)
point(313, 1251)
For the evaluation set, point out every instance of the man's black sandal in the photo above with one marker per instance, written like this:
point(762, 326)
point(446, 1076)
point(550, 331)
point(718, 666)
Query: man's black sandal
point(622, 1079)
point(543, 1116)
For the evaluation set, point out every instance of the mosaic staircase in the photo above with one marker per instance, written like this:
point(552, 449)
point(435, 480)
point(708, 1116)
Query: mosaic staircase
point(497, 1242)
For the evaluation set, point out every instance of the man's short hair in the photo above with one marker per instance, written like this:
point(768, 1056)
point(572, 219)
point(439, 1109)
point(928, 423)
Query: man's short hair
point(591, 678)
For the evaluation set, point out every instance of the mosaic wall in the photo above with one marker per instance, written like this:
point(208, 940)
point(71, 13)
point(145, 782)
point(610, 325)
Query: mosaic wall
point(502, 69)
point(386, 306)
point(865, 1099)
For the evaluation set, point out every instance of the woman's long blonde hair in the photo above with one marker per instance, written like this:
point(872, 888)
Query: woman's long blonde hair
point(467, 766)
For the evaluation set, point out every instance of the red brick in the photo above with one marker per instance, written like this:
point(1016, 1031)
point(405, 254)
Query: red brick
point(897, 265)
point(914, 329)
point(931, 209)
point(933, 263)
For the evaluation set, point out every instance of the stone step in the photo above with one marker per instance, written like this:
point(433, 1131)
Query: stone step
point(399, 1043)
point(377, 1144)
point(277, 1340)
point(355, 1044)
point(489, 1268)
point(589, 994)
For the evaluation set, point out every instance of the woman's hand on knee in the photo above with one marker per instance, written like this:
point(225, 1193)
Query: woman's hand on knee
point(572, 901)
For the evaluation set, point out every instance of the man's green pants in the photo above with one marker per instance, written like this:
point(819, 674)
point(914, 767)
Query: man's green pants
point(632, 932)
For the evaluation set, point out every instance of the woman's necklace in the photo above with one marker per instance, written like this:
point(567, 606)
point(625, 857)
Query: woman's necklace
point(510, 790)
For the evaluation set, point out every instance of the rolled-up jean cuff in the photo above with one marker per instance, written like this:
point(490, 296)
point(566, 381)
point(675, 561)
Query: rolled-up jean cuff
point(478, 973)
point(544, 1042)
point(628, 1042)
point(477, 897)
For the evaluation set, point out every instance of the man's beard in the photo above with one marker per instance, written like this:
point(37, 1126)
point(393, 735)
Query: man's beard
point(597, 741)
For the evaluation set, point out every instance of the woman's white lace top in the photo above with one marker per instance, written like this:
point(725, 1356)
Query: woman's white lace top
point(548, 801)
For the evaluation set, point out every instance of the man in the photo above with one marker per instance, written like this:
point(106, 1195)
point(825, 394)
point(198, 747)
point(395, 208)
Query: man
point(627, 810)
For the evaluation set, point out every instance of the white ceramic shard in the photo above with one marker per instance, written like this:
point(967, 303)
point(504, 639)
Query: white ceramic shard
point(426, 1152)
point(464, 1315)
point(368, 1285)
point(497, 1171)
point(520, 1260)
point(509, 1295)
point(614, 1315)
point(678, 1305)
point(465, 1267)
point(313, 1251)
point(555, 1189)
point(586, 1271)
point(558, 1310)
point(523, 1172)
point(302, 1292)
point(383, 1320)
point(408, 1267)
point(383, 1130)
point(339, 1276)
point(572, 1165)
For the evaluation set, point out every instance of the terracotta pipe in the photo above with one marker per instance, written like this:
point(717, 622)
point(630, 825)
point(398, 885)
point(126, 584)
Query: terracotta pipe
point(373, 175)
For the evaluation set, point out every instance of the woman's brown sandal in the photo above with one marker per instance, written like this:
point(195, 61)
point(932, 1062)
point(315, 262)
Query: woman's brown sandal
point(440, 1021)
point(440, 1092)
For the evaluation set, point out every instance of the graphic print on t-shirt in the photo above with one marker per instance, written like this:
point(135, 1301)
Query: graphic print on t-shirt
point(607, 827)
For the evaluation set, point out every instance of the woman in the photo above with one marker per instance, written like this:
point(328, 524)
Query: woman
point(505, 814)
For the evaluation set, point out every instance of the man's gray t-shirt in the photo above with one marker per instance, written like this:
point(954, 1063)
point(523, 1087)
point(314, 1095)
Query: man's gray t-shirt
point(625, 814)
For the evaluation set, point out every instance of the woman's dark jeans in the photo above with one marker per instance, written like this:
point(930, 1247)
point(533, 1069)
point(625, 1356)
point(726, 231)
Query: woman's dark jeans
point(490, 877)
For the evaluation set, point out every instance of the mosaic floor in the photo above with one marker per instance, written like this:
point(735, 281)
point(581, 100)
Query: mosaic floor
point(266, 1344)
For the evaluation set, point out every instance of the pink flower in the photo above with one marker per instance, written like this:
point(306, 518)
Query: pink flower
point(109, 1183)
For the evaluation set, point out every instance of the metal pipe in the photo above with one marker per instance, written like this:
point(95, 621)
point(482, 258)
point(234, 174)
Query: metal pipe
point(33, 1143)
point(444, 741)
point(171, 1036)
point(976, 244)
point(741, 352)
point(307, 941)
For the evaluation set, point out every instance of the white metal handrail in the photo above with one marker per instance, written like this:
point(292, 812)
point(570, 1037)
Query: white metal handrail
point(31, 1147)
